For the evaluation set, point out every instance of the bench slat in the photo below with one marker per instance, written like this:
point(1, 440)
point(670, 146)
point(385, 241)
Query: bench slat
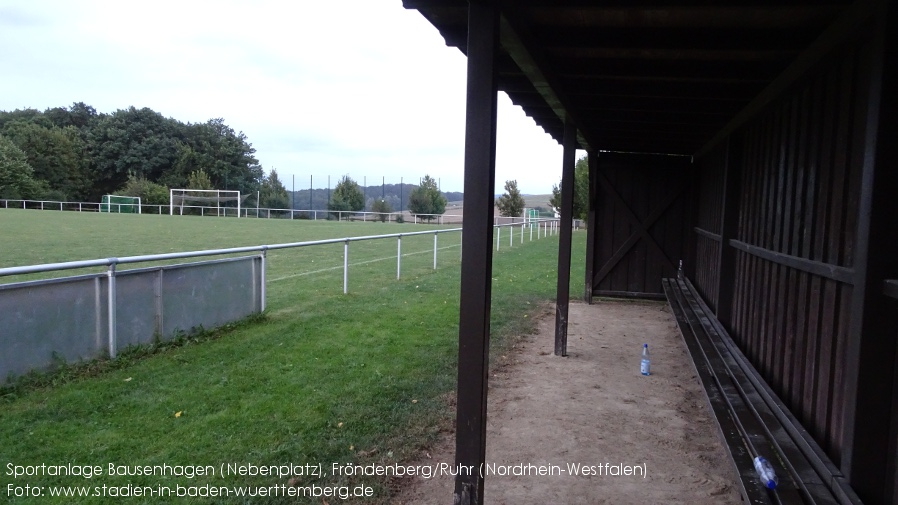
point(802, 472)
point(749, 484)
point(827, 471)
point(750, 417)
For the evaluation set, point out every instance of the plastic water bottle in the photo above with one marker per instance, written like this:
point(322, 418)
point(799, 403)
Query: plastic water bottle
point(766, 472)
point(646, 365)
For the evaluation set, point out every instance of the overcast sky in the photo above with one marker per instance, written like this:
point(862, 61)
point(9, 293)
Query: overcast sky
point(358, 87)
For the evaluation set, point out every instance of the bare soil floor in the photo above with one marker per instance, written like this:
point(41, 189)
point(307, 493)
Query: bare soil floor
point(593, 407)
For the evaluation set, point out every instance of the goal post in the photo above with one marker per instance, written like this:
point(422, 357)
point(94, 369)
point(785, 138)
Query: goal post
point(217, 199)
point(121, 204)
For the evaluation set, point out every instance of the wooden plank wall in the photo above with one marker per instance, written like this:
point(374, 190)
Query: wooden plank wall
point(641, 192)
point(801, 166)
point(709, 222)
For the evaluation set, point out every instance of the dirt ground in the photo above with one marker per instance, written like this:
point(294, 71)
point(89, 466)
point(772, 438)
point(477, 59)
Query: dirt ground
point(593, 407)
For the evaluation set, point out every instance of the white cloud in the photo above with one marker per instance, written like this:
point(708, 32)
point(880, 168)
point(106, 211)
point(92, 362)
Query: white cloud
point(362, 87)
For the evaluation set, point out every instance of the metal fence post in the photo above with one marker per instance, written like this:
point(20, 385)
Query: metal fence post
point(522, 233)
point(346, 266)
point(110, 306)
point(498, 236)
point(264, 256)
point(435, 250)
point(398, 255)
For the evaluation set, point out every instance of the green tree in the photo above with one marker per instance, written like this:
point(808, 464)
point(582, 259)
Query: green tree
point(426, 199)
point(215, 148)
point(132, 142)
point(199, 179)
point(347, 196)
point(511, 204)
point(149, 192)
point(57, 155)
point(581, 190)
point(272, 193)
point(16, 175)
point(383, 207)
point(83, 155)
point(186, 162)
point(25, 115)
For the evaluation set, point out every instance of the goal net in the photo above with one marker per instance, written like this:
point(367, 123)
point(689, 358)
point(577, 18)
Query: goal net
point(214, 202)
point(120, 204)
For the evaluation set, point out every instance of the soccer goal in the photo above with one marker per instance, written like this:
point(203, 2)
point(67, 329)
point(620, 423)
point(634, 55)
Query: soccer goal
point(207, 201)
point(120, 204)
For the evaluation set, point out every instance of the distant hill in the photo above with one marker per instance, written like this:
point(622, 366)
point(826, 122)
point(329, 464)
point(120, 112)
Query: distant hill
point(533, 201)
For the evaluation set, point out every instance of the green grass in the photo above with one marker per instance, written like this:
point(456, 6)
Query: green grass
point(322, 377)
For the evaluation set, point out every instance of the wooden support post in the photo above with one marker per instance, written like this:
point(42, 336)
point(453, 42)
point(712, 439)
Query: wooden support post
point(564, 243)
point(591, 225)
point(868, 431)
point(477, 255)
point(732, 184)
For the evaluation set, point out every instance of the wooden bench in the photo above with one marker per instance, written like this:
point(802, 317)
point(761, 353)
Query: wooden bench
point(752, 419)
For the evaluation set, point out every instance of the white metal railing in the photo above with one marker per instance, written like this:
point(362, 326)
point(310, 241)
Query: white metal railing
point(259, 212)
point(348, 215)
point(263, 212)
point(544, 228)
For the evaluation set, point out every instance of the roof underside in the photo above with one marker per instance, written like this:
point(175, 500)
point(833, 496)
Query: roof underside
point(641, 76)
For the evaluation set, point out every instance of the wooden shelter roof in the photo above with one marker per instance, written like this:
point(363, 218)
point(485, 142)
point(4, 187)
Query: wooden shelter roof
point(648, 76)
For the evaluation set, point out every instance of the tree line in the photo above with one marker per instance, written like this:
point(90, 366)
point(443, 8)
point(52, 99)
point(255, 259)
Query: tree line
point(77, 154)
point(395, 195)
point(581, 190)
point(425, 199)
point(511, 203)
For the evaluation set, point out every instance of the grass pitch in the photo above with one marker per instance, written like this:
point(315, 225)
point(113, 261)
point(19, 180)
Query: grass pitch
point(322, 378)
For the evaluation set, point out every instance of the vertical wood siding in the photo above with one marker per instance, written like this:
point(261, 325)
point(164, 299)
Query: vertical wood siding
point(709, 222)
point(800, 187)
point(649, 187)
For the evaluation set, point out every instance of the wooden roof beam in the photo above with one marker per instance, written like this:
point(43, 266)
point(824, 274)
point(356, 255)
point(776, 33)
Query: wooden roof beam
point(849, 22)
point(525, 59)
point(666, 54)
point(727, 16)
